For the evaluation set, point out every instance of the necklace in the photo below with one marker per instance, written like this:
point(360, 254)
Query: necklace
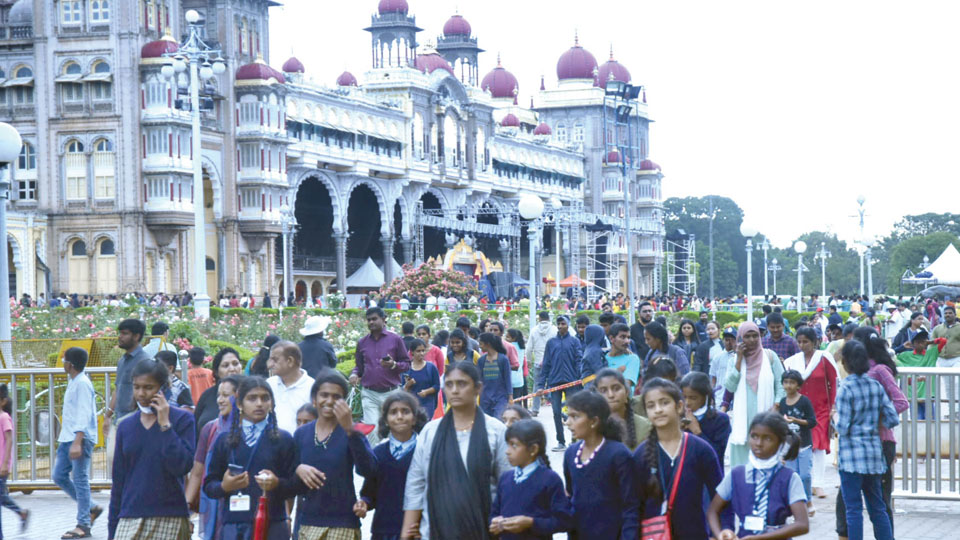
point(580, 463)
point(324, 442)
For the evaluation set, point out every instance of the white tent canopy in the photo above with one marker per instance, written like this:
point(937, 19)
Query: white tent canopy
point(944, 271)
point(367, 276)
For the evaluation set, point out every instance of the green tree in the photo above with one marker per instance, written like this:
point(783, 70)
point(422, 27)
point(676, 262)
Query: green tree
point(908, 254)
point(925, 224)
point(692, 216)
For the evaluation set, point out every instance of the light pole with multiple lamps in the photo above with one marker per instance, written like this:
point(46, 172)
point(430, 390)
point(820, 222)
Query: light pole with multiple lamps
point(557, 206)
point(749, 231)
point(287, 222)
point(822, 256)
point(774, 267)
point(765, 247)
point(625, 100)
point(861, 211)
point(204, 63)
point(531, 209)
point(10, 144)
point(799, 247)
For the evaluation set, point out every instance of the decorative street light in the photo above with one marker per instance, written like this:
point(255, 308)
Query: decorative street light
point(868, 255)
point(287, 222)
point(800, 246)
point(531, 208)
point(749, 231)
point(204, 62)
point(10, 144)
point(861, 210)
point(765, 247)
point(774, 267)
point(557, 206)
point(822, 256)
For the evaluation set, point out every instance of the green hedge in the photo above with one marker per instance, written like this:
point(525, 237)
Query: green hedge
point(346, 361)
point(214, 346)
point(217, 311)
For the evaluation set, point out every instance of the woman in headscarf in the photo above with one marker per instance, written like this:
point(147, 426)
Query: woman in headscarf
point(593, 357)
point(753, 375)
point(456, 466)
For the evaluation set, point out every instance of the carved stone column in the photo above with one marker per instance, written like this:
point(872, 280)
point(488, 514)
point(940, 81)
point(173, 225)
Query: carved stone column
point(340, 238)
point(408, 250)
point(387, 258)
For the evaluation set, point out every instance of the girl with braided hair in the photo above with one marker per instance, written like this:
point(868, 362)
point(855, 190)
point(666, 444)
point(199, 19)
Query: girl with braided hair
point(669, 459)
point(612, 385)
point(255, 447)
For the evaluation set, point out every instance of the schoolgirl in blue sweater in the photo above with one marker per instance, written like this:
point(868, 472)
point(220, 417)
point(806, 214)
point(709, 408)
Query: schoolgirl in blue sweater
point(763, 493)
point(530, 503)
point(599, 472)
point(327, 450)
point(495, 369)
point(154, 452)
point(701, 416)
point(401, 419)
point(671, 458)
point(252, 459)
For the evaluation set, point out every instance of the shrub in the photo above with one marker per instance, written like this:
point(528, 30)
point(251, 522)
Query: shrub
point(268, 311)
point(216, 311)
point(239, 311)
point(214, 346)
point(725, 318)
point(188, 331)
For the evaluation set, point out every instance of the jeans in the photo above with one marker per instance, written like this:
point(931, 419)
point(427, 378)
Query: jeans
point(536, 388)
point(803, 465)
point(886, 487)
point(79, 488)
point(851, 486)
point(372, 402)
point(556, 403)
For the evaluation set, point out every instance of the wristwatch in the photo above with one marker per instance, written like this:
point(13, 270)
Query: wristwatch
point(165, 427)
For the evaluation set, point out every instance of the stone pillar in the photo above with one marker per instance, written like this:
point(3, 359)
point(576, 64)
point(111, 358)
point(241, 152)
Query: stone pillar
point(341, 243)
point(408, 250)
point(387, 258)
point(161, 272)
point(505, 255)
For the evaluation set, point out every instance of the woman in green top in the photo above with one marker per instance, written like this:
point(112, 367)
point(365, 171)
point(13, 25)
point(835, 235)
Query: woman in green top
point(921, 355)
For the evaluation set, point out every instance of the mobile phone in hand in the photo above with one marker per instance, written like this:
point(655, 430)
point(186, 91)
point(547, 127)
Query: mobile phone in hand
point(235, 470)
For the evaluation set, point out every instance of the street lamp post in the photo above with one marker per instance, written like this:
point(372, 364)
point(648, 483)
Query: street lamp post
point(286, 222)
point(861, 210)
point(799, 247)
point(749, 232)
point(765, 247)
point(774, 267)
point(869, 262)
point(10, 144)
point(204, 63)
point(822, 256)
point(531, 209)
point(557, 205)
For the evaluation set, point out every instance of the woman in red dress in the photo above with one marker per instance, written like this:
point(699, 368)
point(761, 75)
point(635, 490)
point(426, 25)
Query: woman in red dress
point(820, 380)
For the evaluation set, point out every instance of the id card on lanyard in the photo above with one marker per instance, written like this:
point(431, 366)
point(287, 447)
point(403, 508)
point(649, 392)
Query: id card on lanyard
point(757, 521)
point(240, 502)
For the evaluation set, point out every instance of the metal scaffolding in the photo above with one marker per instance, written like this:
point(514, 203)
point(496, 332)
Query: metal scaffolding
point(681, 261)
point(603, 260)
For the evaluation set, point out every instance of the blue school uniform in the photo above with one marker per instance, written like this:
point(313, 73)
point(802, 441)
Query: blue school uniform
point(383, 492)
point(701, 471)
point(331, 505)
point(537, 494)
point(605, 503)
point(715, 429)
point(783, 489)
point(428, 377)
point(497, 387)
point(275, 455)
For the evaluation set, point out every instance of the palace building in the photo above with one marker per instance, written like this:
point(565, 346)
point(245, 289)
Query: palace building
point(398, 163)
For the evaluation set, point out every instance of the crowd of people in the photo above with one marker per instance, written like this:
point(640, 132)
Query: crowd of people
point(448, 447)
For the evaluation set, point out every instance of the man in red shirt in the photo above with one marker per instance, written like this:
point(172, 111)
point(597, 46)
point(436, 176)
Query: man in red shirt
point(199, 377)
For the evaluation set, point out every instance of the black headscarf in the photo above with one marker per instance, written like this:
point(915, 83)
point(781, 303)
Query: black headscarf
point(457, 513)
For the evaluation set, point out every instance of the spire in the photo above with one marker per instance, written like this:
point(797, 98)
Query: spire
point(611, 52)
point(542, 85)
point(576, 37)
point(531, 102)
point(498, 60)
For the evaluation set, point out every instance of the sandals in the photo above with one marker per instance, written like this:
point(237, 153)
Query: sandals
point(95, 513)
point(70, 535)
point(24, 520)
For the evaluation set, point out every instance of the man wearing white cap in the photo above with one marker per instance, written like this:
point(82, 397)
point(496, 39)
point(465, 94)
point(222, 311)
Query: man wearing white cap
point(317, 352)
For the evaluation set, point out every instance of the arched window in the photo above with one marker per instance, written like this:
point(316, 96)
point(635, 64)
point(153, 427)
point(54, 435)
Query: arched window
point(243, 36)
point(78, 249)
point(101, 86)
point(23, 72)
point(27, 173)
point(76, 171)
point(562, 132)
point(99, 11)
point(211, 265)
point(72, 87)
point(104, 177)
point(106, 248)
point(72, 11)
point(578, 132)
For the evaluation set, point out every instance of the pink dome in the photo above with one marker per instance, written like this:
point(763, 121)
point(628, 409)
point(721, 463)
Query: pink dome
point(647, 165)
point(427, 63)
point(293, 66)
point(576, 63)
point(346, 79)
point(542, 129)
point(393, 6)
point(612, 67)
point(500, 82)
point(259, 71)
point(510, 120)
point(456, 26)
point(156, 49)
point(613, 157)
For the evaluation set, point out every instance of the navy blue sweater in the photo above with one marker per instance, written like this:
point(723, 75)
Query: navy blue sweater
point(701, 470)
point(497, 388)
point(605, 503)
point(384, 492)
point(149, 466)
point(272, 455)
point(332, 504)
point(716, 431)
point(541, 497)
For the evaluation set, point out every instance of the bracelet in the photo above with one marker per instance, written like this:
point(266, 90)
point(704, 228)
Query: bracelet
point(165, 427)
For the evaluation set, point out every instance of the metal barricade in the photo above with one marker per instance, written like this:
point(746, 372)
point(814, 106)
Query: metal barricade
point(929, 435)
point(37, 405)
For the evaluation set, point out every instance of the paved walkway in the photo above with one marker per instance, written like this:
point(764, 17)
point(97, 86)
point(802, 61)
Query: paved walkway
point(53, 513)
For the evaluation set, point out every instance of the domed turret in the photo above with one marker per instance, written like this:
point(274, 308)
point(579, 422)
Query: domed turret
point(456, 26)
point(647, 165)
point(576, 63)
point(613, 69)
point(613, 156)
point(21, 14)
point(429, 60)
point(155, 50)
point(259, 71)
point(510, 120)
point(542, 129)
point(500, 82)
point(346, 79)
point(393, 6)
point(293, 65)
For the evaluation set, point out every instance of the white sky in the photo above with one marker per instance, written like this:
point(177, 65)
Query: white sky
point(792, 109)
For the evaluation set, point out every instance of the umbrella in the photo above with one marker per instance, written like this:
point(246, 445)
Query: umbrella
point(574, 280)
point(940, 290)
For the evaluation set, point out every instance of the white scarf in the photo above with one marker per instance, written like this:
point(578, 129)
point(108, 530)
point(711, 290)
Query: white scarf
point(770, 462)
point(765, 394)
point(796, 362)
